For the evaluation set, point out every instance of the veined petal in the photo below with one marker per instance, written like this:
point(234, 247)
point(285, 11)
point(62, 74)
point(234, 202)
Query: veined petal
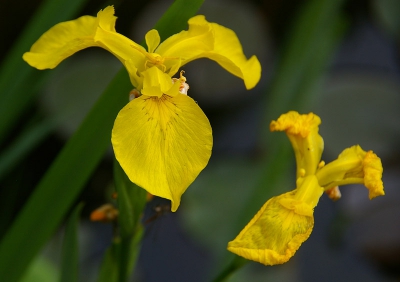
point(302, 131)
point(275, 233)
point(213, 41)
point(162, 143)
point(61, 41)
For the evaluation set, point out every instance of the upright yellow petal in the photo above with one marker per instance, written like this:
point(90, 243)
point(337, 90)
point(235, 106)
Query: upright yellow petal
point(213, 41)
point(162, 143)
point(152, 40)
point(107, 19)
point(302, 131)
point(156, 83)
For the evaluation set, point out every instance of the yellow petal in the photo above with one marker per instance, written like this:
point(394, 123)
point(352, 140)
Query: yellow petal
point(152, 40)
point(213, 41)
point(156, 83)
point(107, 19)
point(302, 131)
point(162, 144)
point(67, 38)
point(61, 41)
point(373, 169)
point(274, 234)
point(354, 166)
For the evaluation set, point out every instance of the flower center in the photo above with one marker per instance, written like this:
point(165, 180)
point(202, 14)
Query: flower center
point(154, 59)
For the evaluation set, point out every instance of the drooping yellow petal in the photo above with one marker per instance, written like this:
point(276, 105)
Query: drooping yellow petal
point(280, 227)
point(273, 235)
point(213, 41)
point(302, 131)
point(67, 38)
point(61, 41)
point(162, 143)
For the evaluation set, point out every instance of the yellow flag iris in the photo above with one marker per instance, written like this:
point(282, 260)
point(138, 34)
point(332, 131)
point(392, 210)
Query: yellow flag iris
point(286, 221)
point(162, 139)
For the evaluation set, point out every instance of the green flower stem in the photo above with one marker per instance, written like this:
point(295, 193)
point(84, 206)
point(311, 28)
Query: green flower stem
point(236, 263)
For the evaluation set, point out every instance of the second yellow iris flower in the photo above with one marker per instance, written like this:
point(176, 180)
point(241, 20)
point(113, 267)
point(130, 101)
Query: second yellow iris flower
point(284, 222)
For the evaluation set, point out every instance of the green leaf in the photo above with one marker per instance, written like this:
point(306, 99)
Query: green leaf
point(18, 81)
point(70, 248)
point(62, 183)
point(24, 143)
point(131, 201)
point(73, 166)
point(109, 269)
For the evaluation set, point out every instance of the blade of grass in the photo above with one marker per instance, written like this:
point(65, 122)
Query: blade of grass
point(73, 166)
point(17, 79)
point(70, 248)
point(24, 143)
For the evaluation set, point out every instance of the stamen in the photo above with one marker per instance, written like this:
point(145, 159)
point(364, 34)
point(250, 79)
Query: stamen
point(184, 87)
point(302, 172)
point(334, 193)
point(321, 164)
point(134, 94)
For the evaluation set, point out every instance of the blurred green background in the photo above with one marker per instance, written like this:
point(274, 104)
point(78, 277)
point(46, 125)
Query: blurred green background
point(338, 59)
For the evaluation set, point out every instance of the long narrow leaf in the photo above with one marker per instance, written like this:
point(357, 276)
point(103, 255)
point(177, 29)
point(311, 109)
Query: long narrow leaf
point(62, 183)
point(70, 249)
point(18, 81)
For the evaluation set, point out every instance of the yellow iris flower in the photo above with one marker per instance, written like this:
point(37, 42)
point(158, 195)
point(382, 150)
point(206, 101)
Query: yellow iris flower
point(162, 139)
point(286, 221)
